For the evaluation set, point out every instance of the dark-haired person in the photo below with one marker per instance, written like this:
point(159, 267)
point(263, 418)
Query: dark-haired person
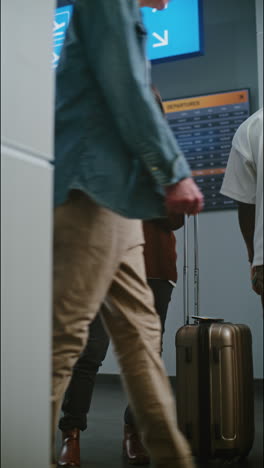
point(116, 162)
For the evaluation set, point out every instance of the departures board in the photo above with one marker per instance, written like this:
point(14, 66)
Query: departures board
point(204, 127)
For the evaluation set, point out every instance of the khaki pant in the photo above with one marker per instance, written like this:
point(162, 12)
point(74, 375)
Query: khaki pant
point(98, 256)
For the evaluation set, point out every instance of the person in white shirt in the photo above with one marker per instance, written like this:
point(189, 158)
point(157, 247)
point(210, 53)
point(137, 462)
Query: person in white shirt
point(243, 182)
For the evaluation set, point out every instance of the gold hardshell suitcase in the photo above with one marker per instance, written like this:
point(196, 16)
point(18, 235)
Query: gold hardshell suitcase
point(214, 383)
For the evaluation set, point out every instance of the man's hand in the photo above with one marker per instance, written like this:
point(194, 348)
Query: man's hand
point(184, 197)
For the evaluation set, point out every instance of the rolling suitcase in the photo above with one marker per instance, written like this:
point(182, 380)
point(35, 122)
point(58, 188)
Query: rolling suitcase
point(214, 383)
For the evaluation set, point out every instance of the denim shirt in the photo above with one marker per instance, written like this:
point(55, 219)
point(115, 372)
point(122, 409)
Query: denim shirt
point(111, 140)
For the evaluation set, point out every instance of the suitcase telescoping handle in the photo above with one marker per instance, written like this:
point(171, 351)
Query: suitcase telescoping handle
point(186, 270)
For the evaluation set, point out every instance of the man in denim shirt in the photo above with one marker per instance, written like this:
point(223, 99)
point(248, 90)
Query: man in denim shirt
point(116, 162)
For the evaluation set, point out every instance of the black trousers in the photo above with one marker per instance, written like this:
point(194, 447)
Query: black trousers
point(78, 397)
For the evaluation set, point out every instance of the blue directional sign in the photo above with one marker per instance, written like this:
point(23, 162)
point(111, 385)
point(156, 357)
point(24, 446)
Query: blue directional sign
point(60, 24)
point(174, 32)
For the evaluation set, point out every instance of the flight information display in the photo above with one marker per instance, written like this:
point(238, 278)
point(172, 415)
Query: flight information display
point(60, 24)
point(204, 127)
point(175, 32)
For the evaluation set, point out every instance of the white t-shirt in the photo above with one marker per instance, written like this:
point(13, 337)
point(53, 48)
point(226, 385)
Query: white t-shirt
point(243, 179)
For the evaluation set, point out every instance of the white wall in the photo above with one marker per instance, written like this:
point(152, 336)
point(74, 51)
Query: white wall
point(26, 76)
point(26, 231)
point(26, 236)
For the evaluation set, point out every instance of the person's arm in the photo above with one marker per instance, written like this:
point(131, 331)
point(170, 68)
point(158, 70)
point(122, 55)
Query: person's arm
point(246, 216)
point(112, 33)
point(240, 184)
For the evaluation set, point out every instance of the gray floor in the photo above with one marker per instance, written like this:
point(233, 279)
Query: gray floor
point(101, 442)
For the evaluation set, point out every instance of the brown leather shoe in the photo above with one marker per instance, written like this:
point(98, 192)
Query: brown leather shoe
point(70, 451)
point(133, 449)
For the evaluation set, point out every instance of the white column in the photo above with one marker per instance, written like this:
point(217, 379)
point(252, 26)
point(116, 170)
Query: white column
point(26, 239)
point(27, 107)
